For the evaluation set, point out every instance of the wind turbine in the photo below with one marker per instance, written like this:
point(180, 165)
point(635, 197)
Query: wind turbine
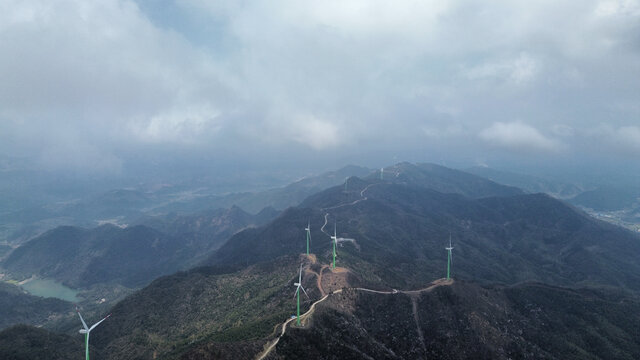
point(298, 287)
point(87, 330)
point(335, 241)
point(308, 230)
point(449, 258)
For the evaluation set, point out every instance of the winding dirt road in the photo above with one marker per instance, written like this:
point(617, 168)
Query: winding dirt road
point(284, 325)
point(304, 317)
point(362, 198)
point(412, 293)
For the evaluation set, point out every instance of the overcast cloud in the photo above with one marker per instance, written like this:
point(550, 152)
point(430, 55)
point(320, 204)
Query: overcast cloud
point(84, 82)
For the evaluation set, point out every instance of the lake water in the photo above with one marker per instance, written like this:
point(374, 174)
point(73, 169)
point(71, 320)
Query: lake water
point(50, 288)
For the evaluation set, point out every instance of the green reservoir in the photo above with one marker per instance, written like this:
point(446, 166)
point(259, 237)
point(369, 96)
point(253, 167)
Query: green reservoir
point(50, 288)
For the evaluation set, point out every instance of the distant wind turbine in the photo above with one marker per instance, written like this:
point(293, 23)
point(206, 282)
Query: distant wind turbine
point(87, 330)
point(308, 230)
point(298, 287)
point(335, 241)
point(449, 258)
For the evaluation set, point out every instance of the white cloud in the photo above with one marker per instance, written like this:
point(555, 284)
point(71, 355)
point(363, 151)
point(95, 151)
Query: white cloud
point(103, 70)
point(618, 7)
point(79, 157)
point(356, 17)
point(630, 137)
point(624, 138)
point(182, 125)
point(450, 130)
point(364, 73)
point(518, 136)
point(518, 70)
point(313, 132)
point(562, 130)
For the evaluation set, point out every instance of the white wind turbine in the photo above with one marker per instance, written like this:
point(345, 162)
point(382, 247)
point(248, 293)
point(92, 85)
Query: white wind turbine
point(449, 258)
point(87, 330)
point(334, 239)
point(298, 286)
point(308, 230)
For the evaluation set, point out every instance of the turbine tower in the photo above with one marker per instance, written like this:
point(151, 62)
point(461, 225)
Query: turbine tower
point(449, 259)
point(334, 239)
point(308, 230)
point(87, 330)
point(298, 287)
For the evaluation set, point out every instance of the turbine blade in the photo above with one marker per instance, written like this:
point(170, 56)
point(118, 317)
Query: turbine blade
point(81, 319)
point(300, 275)
point(296, 292)
point(305, 291)
point(98, 323)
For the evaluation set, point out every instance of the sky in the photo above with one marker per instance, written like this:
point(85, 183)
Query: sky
point(94, 86)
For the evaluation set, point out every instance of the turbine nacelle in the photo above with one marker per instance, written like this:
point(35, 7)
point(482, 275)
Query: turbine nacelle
point(83, 331)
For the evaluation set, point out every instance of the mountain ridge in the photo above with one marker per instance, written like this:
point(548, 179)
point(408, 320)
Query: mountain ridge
point(131, 256)
point(547, 239)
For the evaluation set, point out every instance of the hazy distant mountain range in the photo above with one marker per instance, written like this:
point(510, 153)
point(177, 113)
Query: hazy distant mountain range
point(599, 198)
point(131, 256)
point(530, 184)
point(124, 206)
point(608, 198)
point(278, 198)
